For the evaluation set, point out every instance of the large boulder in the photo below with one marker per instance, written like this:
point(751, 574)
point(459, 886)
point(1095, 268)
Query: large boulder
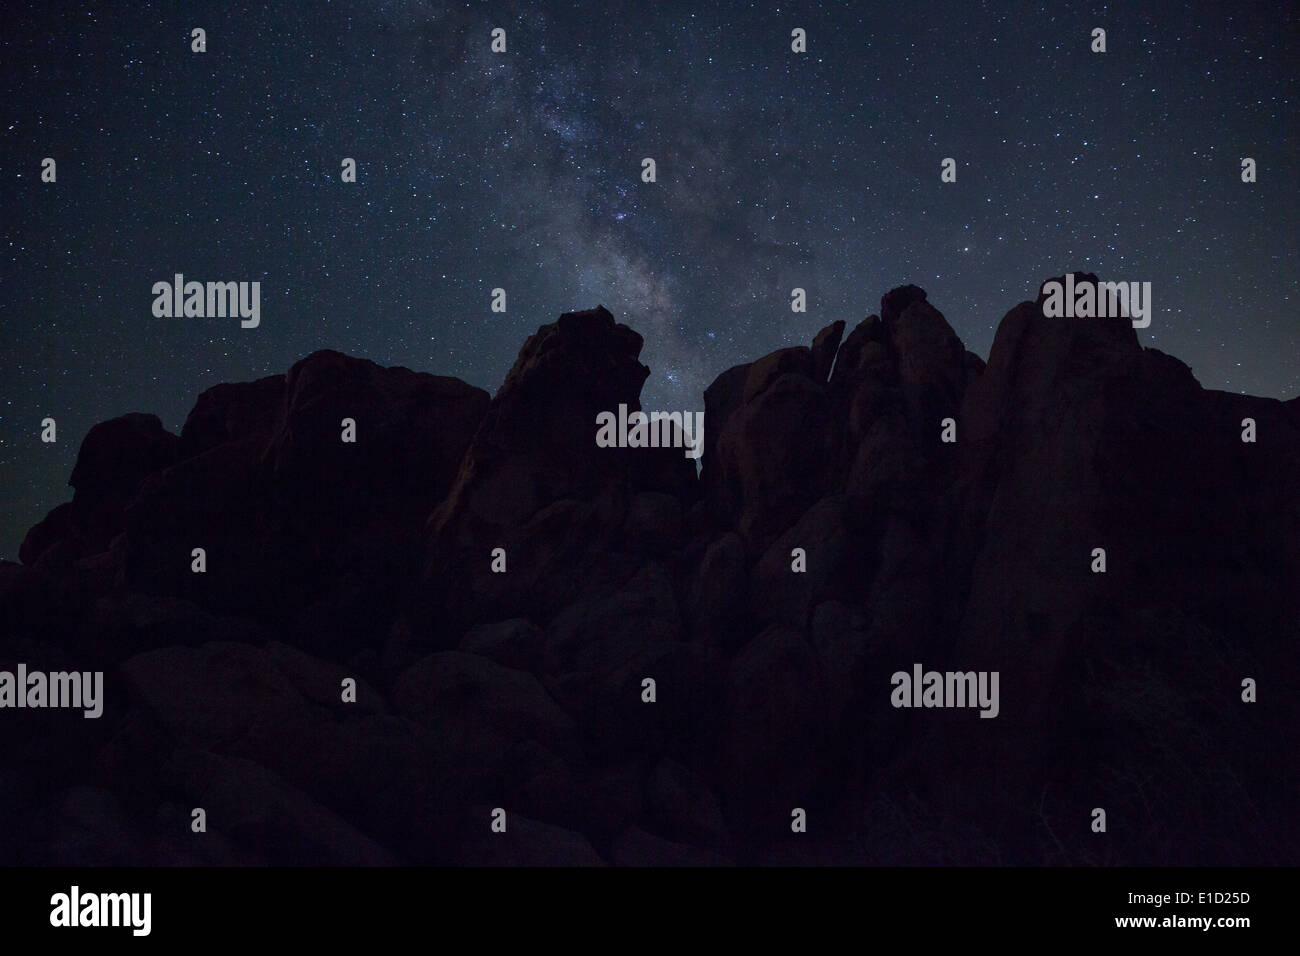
point(115, 458)
point(535, 484)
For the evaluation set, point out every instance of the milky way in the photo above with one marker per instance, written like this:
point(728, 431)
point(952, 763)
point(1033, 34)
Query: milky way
point(521, 170)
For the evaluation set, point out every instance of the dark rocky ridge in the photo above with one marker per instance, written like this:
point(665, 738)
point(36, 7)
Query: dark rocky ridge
point(523, 690)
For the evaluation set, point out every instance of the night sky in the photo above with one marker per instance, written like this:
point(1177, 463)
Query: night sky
point(523, 170)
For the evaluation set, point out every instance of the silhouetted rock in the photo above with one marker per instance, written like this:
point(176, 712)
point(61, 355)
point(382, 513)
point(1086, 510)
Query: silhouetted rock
point(466, 697)
point(516, 643)
point(232, 411)
point(530, 843)
point(300, 528)
point(535, 484)
point(655, 668)
point(682, 806)
point(773, 451)
point(56, 527)
point(824, 347)
point(411, 431)
point(896, 301)
point(251, 804)
point(114, 460)
point(717, 594)
point(779, 724)
point(636, 847)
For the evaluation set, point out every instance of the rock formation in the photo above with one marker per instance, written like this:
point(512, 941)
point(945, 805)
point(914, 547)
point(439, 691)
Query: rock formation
point(372, 561)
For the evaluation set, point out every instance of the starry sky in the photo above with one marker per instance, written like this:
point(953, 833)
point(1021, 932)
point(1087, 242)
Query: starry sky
point(522, 170)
